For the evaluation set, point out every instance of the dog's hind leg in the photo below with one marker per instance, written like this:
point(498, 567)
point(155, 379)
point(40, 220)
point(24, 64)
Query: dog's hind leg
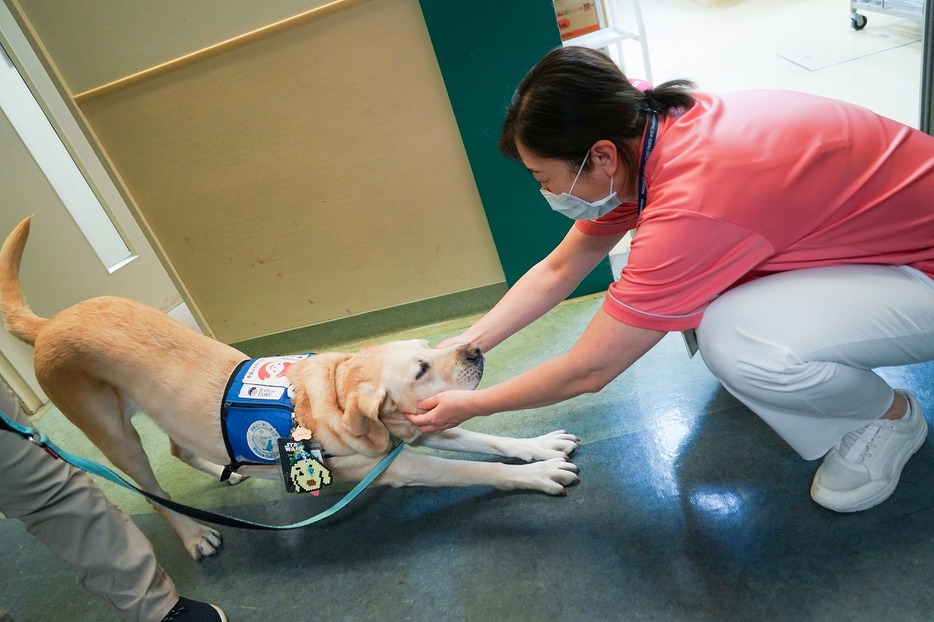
point(196, 461)
point(98, 410)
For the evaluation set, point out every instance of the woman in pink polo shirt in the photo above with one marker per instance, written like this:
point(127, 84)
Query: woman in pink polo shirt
point(794, 234)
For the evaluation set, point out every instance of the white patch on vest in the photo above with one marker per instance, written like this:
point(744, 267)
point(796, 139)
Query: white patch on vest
point(257, 392)
point(270, 371)
point(262, 440)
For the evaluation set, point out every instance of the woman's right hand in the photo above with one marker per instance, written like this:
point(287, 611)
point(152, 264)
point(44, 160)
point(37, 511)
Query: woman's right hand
point(443, 411)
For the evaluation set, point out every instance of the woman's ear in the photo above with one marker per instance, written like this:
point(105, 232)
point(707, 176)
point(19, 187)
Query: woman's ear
point(604, 156)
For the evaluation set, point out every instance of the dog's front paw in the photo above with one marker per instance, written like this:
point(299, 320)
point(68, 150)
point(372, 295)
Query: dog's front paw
point(236, 478)
point(552, 476)
point(554, 445)
point(204, 542)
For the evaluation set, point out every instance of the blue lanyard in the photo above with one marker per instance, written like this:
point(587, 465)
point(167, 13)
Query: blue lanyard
point(647, 145)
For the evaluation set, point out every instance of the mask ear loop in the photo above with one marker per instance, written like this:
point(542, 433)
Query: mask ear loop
point(579, 171)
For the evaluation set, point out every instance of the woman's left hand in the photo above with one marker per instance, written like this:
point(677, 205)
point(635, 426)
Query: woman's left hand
point(443, 411)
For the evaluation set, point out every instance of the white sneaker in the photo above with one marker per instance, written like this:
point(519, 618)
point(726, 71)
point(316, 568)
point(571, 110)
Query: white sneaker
point(863, 470)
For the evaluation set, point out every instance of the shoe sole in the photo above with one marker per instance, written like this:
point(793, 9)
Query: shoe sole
point(886, 492)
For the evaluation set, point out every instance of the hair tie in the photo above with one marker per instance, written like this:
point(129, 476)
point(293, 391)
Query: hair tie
point(647, 96)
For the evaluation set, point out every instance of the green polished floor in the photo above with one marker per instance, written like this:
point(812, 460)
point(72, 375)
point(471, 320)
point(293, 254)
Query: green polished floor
point(689, 508)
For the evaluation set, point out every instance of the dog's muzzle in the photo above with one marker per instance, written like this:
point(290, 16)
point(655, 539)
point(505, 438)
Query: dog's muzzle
point(472, 372)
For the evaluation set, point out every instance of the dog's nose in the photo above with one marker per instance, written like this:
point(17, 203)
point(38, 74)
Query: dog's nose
point(474, 359)
point(473, 352)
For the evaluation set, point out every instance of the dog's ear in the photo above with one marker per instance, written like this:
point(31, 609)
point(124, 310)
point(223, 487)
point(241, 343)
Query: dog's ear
point(362, 408)
point(362, 405)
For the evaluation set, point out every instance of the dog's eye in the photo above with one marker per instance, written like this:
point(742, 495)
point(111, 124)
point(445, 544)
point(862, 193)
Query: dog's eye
point(423, 369)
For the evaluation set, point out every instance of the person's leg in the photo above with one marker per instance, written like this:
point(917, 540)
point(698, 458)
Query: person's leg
point(63, 507)
point(799, 348)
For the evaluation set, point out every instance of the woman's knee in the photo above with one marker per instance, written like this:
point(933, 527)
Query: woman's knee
point(724, 352)
point(740, 349)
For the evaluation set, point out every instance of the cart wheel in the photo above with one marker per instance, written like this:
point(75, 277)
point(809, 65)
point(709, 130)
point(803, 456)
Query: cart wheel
point(858, 21)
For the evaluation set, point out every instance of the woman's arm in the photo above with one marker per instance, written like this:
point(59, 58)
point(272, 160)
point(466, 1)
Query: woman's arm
point(605, 350)
point(540, 289)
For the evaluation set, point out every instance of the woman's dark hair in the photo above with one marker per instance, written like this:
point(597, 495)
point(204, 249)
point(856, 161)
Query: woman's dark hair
point(574, 97)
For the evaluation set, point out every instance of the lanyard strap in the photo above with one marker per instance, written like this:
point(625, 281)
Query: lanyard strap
point(651, 133)
point(33, 435)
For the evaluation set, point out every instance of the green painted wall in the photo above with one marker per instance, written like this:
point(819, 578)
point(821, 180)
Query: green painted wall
point(484, 47)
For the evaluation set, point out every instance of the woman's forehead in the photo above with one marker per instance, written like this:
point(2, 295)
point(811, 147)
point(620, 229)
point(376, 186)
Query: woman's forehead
point(535, 163)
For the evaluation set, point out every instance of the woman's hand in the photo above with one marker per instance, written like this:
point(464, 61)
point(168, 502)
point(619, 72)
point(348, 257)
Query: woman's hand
point(606, 349)
point(457, 340)
point(443, 411)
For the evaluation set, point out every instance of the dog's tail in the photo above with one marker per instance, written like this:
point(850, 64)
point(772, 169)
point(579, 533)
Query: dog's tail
point(17, 316)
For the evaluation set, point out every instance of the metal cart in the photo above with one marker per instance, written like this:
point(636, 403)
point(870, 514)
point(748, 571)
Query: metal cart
point(911, 9)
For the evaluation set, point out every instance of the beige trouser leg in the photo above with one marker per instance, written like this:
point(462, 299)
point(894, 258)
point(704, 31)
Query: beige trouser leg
point(63, 507)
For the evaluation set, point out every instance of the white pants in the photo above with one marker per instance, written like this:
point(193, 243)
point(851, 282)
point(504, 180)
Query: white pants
point(798, 347)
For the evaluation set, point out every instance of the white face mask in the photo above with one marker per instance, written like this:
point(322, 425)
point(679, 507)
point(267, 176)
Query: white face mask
point(579, 209)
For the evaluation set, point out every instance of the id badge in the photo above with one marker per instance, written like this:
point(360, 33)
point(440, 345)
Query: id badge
point(690, 342)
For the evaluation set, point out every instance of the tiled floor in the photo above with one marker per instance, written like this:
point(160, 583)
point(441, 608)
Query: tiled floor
point(689, 507)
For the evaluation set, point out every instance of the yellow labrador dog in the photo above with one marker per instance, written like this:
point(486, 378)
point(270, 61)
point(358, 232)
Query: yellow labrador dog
point(102, 360)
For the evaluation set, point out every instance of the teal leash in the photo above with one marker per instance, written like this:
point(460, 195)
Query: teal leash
point(34, 436)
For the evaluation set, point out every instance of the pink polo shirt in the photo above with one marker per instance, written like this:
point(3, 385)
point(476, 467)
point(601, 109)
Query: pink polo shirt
point(753, 183)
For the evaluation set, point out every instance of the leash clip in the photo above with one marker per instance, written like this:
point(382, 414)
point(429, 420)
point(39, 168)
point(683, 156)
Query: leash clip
point(39, 440)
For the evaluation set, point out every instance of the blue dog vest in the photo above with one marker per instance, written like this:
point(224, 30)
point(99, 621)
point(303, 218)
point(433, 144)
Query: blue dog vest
point(257, 410)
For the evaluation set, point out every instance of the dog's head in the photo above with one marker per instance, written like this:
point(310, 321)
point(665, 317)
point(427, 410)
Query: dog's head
point(354, 403)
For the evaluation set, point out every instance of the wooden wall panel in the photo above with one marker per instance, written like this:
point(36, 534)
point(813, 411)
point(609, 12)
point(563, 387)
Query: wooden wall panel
point(306, 176)
point(96, 42)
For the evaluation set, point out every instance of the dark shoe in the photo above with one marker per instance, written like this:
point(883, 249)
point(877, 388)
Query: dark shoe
point(187, 610)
